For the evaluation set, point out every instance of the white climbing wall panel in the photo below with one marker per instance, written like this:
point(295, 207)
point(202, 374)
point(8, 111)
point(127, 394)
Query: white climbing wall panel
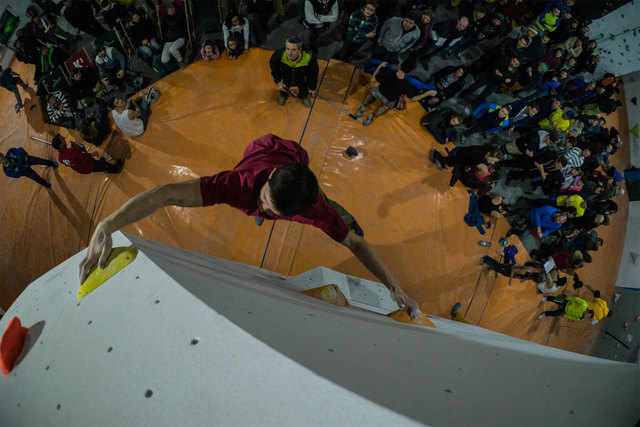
point(178, 338)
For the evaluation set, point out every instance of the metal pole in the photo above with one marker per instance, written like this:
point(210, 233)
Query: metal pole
point(41, 140)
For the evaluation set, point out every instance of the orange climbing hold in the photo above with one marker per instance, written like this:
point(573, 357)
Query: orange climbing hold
point(11, 344)
point(329, 293)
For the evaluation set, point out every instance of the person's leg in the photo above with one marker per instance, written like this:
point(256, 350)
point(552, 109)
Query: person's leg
point(30, 173)
point(16, 92)
point(18, 81)
point(348, 48)
point(102, 165)
point(504, 269)
point(554, 313)
point(166, 54)
point(144, 111)
point(156, 46)
point(146, 53)
point(33, 160)
point(174, 49)
point(480, 82)
point(456, 315)
point(489, 89)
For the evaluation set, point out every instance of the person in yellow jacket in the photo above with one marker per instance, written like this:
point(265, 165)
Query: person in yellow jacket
point(575, 308)
point(558, 121)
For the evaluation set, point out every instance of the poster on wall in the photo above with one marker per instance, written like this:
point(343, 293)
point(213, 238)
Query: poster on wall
point(8, 26)
point(618, 38)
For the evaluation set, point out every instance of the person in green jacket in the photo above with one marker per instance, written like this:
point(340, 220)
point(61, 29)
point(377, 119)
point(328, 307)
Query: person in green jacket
point(573, 308)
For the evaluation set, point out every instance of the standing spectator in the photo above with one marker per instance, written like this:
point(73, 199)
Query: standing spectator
point(548, 20)
point(543, 219)
point(397, 35)
point(174, 30)
point(111, 65)
point(144, 36)
point(80, 15)
point(505, 71)
point(95, 126)
point(318, 15)
point(441, 124)
point(75, 156)
point(522, 113)
point(448, 82)
point(10, 81)
point(113, 12)
point(292, 66)
point(17, 163)
point(490, 27)
point(363, 24)
point(487, 118)
point(235, 25)
point(27, 50)
point(259, 12)
point(425, 24)
point(572, 308)
point(444, 35)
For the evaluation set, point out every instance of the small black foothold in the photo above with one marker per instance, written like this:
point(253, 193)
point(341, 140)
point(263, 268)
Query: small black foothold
point(137, 277)
point(110, 349)
point(148, 393)
point(78, 305)
point(449, 390)
point(58, 407)
point(47, 368)
point(351, 152)
point(90, 322)
point(331, 350)
point(157, 301)
point(195, 341)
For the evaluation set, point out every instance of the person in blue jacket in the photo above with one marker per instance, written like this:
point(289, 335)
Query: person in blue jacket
point(545, 219)
point(17, 163)
point(487, 118)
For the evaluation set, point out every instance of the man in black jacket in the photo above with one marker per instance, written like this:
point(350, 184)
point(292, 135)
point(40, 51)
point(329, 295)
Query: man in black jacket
point(505, 71)
point(80, 15)
point(292, 66)
point(144, 37)
point(448, 82)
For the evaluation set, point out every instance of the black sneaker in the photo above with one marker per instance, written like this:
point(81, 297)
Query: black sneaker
point(356, 229)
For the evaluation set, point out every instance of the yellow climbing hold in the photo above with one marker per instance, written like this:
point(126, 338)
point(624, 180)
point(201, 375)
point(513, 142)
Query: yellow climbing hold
point(118, 259)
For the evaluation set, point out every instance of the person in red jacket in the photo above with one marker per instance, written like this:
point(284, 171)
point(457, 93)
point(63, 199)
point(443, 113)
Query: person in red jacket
point(75, 156)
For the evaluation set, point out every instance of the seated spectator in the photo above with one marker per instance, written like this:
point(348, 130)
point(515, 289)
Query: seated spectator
point(531, 78)
point(318, 15)
point(80, 15)
point(575, 156)
point(572, 46)
point(284, 61)
point(537, 48)
point(563, 202)
point(237, 26)
point(487, 118)
point(174, 32)
point(234, 48)
point(17, 163)
point(363, 24)
point(95, 126)
point(544, 169)
point(445, 35)
point(130, 116)
point(50, 59)
point(546, 282)
point(144, 36)
point(448, 82)
point(396, 36)
point(113, 12)
point(75, 156)
point(442, 125)
point(209, 50)
point(59, 109)
point(577, 89)
point(85, 86)
point(111, 65)
point(465, 157)
point(392, 86)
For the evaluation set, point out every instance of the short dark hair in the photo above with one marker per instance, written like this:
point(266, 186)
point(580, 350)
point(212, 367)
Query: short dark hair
point(373, 3)
point(293, 188)
point(56, 142)
point(295, 40)
point(230, 16)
